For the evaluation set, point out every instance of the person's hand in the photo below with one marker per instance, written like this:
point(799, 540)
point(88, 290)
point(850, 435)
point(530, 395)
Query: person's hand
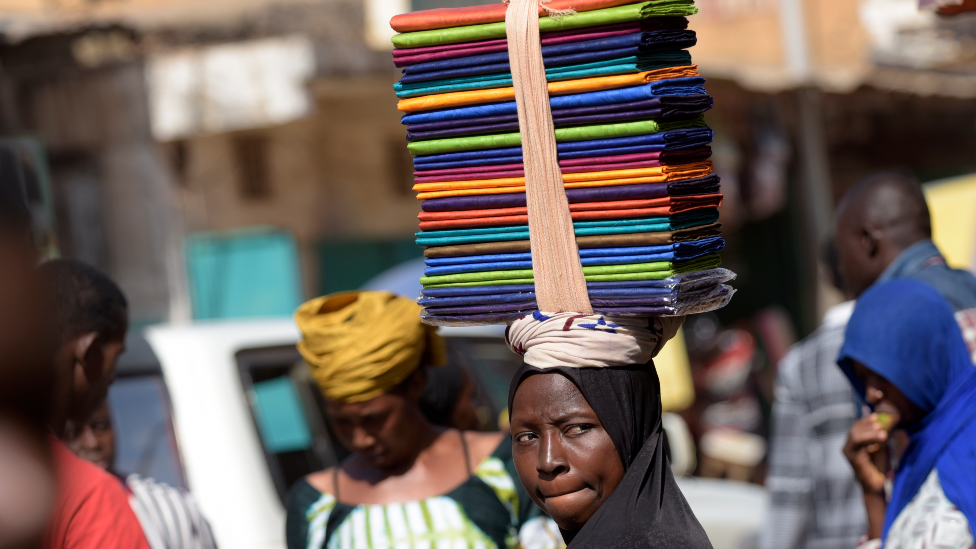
point(867, 450)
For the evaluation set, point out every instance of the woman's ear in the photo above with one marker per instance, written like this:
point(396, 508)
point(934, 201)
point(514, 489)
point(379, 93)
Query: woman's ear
point(90, 355)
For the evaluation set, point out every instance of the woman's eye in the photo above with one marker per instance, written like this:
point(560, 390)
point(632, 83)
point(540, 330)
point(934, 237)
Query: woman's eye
point(578, 429)
point(525, 437)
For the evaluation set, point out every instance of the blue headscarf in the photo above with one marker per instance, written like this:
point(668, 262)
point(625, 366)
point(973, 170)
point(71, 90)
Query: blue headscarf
point(905, 332)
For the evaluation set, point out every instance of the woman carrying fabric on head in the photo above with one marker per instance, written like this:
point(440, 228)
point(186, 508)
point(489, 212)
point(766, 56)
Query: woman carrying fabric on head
point(407, 482)
point(586, 429)
point(904, 355)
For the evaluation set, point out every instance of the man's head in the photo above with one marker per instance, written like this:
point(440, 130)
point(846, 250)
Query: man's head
point(93, 440)
point(90, 319)
point(876, 220)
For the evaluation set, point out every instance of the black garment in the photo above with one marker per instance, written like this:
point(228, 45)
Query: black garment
point(647, 509)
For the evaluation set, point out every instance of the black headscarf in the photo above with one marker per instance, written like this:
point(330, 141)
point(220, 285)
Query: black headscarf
point(646, 509)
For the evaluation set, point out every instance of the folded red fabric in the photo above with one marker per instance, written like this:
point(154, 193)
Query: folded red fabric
point(668, 205)
point(444, 18)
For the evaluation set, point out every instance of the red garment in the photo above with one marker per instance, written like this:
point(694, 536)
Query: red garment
point(92, 510)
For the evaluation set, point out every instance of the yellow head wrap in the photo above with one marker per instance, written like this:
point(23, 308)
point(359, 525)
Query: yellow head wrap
point(359, 345)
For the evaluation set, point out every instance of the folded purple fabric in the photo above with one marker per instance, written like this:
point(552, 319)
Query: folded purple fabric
point(649, 301)
point(506, 317)
point(702, 185)
point(413, 56)
point(564, 164)
point(646, 104)
point(580, 165)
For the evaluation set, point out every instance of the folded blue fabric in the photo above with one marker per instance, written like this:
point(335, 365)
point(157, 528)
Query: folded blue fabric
point(501, 308)
point(617, 65)
point(670, 86)
point(642, 110)
point(609, 256)
point(582, 228)
point(668, 140)
point(644, 41)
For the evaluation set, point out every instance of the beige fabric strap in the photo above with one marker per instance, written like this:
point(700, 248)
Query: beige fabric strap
point(559, 283)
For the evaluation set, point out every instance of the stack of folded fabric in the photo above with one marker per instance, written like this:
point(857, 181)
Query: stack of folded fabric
point(627, 107)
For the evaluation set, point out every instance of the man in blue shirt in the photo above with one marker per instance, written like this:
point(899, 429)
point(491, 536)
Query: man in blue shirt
point(884, 232)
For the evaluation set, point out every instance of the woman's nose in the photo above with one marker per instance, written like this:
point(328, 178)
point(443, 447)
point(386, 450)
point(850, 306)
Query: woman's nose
point(552, 458)
point(88, 439)
point(361, 439)
point(872, 394)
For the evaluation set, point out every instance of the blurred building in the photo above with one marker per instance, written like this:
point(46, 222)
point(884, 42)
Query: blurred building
point(166, 118)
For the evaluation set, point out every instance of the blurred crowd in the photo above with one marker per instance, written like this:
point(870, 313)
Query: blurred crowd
point(861, 432)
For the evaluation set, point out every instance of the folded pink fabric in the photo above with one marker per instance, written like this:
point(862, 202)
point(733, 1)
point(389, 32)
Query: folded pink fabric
point(471, 176)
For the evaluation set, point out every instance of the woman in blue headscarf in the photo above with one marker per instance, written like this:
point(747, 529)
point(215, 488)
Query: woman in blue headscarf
point(904, 355)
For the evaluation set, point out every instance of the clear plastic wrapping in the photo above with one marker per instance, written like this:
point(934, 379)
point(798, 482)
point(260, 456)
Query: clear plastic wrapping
point(683, 294)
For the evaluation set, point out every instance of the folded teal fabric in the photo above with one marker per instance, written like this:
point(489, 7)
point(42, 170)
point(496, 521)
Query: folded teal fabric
point(582, 228)
point(608, 16)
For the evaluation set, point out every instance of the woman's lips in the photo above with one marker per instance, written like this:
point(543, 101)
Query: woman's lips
point(568, 502)
point(885, 408)
point(556, 493)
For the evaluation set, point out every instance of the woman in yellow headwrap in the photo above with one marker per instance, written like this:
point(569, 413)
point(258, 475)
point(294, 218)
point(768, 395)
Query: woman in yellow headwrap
point(407, 483)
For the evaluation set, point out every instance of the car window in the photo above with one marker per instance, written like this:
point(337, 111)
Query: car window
point(288, 413)
point(145, 441)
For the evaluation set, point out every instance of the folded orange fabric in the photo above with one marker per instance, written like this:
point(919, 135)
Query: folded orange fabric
point(444, 18)
point(577, 216)
point(674, 173)
point(567, 87)
point(567, 178)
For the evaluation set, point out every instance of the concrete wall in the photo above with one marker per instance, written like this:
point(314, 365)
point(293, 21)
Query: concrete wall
point(341, 172)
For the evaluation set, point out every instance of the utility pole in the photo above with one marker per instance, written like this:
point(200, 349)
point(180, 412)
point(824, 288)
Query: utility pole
point(814, 185)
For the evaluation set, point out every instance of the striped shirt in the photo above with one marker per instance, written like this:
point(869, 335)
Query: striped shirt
point(169, 516)
point(815, 501)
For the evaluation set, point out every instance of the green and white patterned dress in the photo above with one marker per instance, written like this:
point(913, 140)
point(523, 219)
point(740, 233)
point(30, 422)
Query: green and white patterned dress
point(491, 510)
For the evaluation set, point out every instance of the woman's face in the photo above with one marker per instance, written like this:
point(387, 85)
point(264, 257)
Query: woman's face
point(887, 399)
point(380, 431)
point(565, 459)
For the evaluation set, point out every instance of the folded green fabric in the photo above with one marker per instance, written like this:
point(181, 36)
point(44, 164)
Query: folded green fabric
point(625, 65)
point(577, 133)
point(639, 271)
point(608, 16)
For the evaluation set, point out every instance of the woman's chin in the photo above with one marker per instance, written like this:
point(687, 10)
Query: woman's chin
point(571, 511)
